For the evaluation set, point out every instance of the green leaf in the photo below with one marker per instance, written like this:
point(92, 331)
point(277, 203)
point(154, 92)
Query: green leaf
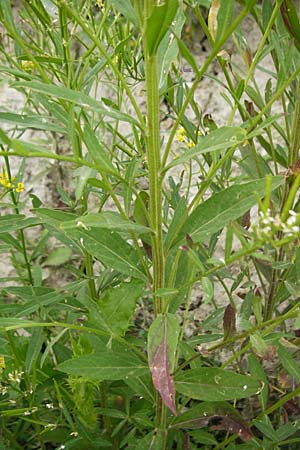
point(142, 386)
point(225, 18)
point(110, 249)
point(229, 417)
point(96, 150)
point(216, 140)
point(107, 219)
point(187, 55)
point(34, 122)
point(7, 323)
point(213, 384)
point(58, 256)
point(76, 97)
point(289, 363)
point(13, 222)
point(125, 7)
point(152, 441)
point(168, 50)
point(208, 289)
point(265, 426)
point(162, 345)
point(34, 348)
point(203, 437)
point(105, 366)
point(118, 305)
point(54, 217)
point(158, 23)
point(257, 371)
point(230, 204)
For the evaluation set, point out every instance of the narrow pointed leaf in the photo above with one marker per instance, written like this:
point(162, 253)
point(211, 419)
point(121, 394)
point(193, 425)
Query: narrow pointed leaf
point(214, 384)
point(105, 366)
point(225, 18)
point(158, 23)
point(288, 362)
point(200, 415)
point(118, 305)
point(96, 150)
point(216, 140)
point(106, 219)
point(126, 8)
point(110, 249)
point(31, 121)
point(222, 207)
point(76, 97)
point(162, 344)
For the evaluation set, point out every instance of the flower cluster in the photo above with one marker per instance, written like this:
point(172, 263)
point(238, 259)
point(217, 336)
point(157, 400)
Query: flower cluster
point(15, 376)
point(181, 137)
point(8, 183)
point(28, 66)
point(268, 226)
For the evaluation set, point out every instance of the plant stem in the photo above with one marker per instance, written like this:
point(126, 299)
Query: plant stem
point(295, 137)
point(154, 174)
point(20, 232)
point(155, 191)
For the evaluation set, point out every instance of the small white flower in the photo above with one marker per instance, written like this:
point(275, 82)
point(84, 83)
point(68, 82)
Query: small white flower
point(49, 405)
point(291, 220)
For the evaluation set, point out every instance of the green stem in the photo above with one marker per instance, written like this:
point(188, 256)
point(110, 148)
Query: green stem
point(154, 174)
point(155, 190)
point(20, 232)
point(200, 74)
point(295, 141)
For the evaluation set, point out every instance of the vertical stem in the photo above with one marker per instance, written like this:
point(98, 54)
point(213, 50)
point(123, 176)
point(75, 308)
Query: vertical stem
point(20, 232)
point(295, 137)
point(155, 190)
point(155, 179)
point(287, 200)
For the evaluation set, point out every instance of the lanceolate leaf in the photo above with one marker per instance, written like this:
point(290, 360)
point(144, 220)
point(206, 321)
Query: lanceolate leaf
point(288, 362)
point(216, 140)
point(13, 222)
point(200, 415)
point(158, 23)
point(76, 97)
point(213, 384)
point(225, 18)
point(96, 151)
point(118, 305)
point(125, 7)
point(106, 219)
point(162, 344)
point(222, 207)
point(31, 121)
point(105, 366)
point(110, 249)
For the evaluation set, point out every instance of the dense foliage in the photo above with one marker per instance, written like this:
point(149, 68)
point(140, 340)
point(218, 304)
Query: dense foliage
point(158, 209)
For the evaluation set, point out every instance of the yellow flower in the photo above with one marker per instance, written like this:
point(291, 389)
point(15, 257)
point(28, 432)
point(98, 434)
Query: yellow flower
point(191, 144)
point(20, 187)
point(180, 135)
point(28, 66)
point(4, 180)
